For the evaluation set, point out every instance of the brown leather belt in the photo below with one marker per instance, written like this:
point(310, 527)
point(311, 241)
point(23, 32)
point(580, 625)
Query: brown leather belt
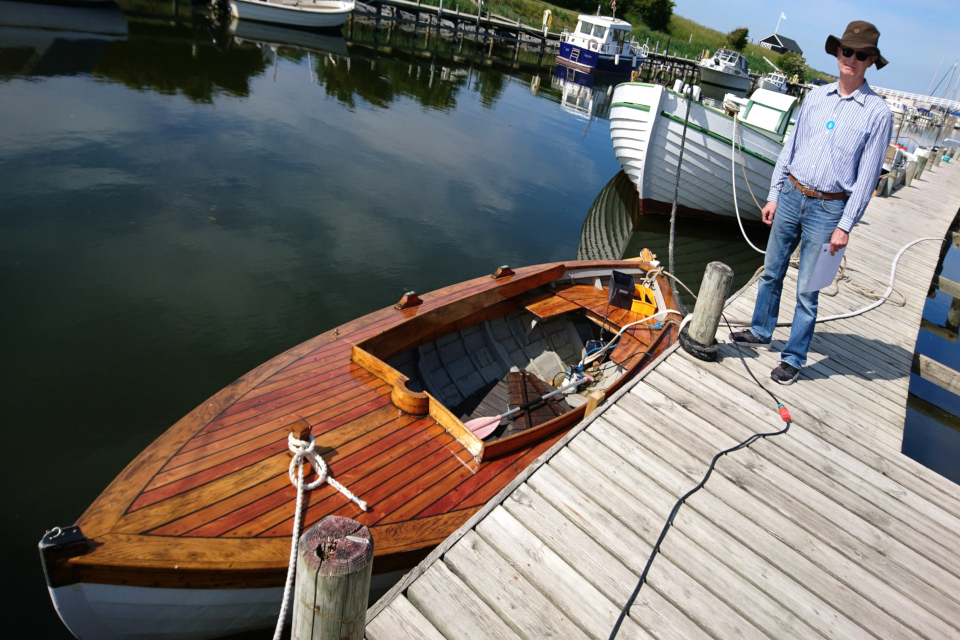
point(813, 193)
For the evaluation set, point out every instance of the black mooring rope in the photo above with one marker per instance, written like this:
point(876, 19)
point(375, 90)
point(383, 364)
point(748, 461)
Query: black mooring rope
point(676, 508)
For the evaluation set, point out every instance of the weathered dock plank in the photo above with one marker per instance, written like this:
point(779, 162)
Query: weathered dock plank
point(826, 531)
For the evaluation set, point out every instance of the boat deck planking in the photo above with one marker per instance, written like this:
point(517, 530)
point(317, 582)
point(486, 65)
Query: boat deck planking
point(209, 503)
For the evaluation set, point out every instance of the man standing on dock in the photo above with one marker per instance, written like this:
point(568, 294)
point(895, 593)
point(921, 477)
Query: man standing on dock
point(820, 188)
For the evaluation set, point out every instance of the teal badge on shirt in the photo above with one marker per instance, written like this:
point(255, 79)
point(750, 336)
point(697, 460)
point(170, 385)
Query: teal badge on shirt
point(831, 125)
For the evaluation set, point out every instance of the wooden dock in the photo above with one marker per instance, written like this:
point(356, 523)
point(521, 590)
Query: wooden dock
point(825, 531)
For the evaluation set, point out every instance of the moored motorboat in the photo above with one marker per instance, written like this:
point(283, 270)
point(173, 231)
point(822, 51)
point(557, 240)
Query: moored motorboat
point(725, 72)
point(192, 539)
point(775, 81)
point(646, 128)
point(601, 44)
point(295, 13)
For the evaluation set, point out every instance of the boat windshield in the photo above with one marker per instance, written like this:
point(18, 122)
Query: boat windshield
point(585, 28)
point(599, 31)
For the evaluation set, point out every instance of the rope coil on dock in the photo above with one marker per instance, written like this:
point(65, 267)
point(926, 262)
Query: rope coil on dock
point(705, 352)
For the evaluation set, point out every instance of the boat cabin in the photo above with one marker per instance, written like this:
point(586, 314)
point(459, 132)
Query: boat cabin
point(729, 61)
point(601, 34)
point(769, 110)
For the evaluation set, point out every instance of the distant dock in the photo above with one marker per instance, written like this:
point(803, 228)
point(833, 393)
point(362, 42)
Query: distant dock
point(491, 28)
point(825, 531)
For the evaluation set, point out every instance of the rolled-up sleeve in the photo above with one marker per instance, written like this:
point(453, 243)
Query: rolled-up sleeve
point(868, 171)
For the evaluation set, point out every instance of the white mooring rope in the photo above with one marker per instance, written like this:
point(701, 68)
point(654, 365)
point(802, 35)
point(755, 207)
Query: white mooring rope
point(304, 449)
point(733, 175)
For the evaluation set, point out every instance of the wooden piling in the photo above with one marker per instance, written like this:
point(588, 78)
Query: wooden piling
point(911, 172)
point(713, 292)
point(334, 565)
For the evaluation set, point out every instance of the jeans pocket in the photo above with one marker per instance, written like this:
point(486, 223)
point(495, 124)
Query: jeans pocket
point(834, 207)
point(788, 185)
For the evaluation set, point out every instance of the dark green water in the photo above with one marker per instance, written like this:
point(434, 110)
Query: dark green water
point(179, 204)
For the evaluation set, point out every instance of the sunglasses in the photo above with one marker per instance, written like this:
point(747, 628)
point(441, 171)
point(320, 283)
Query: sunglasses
point(861, 55)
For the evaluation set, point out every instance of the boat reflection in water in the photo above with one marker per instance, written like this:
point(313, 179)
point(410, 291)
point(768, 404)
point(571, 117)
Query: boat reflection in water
point(264, 34)
point(56, 40)
point(615, 229)
point(582, 93)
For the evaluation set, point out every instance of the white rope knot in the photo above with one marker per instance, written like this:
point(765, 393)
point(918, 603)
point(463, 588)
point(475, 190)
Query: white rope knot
point(307, 450)
point(304, 449)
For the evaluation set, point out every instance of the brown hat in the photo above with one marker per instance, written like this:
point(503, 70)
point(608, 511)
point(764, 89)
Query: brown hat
point(859, 35)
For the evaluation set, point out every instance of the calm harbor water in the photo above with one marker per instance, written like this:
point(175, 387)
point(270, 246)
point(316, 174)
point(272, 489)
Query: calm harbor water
point(182, 199)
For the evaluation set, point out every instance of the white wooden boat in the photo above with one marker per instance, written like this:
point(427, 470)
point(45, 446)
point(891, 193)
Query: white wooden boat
point(601, 44)
point(646, 125)
point(296, 13)
point(725, 72)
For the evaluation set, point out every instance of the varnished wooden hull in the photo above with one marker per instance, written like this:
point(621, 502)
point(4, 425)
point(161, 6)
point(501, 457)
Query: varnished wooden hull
point(208, 506)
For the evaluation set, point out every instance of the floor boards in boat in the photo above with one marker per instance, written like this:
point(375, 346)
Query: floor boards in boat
point(825, 531)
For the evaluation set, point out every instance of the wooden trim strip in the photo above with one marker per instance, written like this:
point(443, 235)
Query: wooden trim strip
point(457, 429)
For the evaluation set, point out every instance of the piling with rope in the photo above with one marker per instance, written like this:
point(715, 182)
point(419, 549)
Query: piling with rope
point(699, 337)
point(304, 457)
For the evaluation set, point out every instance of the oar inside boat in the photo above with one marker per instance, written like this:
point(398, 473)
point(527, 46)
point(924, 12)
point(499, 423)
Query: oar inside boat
point(482, 427)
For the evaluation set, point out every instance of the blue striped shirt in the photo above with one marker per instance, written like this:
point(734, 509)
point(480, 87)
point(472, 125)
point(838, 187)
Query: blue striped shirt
point(838, 144)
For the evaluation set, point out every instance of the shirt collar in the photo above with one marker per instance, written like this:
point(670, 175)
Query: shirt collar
point(859, 95)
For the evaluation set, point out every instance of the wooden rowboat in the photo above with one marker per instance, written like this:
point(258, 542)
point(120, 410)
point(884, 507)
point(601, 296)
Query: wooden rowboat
point(192, 539)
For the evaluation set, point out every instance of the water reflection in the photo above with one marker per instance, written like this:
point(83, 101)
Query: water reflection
point(931, 432)
point(582, 94)
point(615, 228)
point(54, 40)
point(262, 34)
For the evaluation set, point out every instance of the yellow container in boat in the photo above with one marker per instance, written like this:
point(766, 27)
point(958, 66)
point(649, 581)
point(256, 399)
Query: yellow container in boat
point(644, 302)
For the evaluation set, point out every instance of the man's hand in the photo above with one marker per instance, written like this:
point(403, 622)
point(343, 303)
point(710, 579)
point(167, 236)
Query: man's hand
point(838, 240)
point(768, 211)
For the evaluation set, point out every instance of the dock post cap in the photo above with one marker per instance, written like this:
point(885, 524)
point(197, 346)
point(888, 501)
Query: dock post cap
point(334, 567)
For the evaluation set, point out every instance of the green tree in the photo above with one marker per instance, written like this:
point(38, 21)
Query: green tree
point(655, 14)
point(737, 39)
point(793, 64)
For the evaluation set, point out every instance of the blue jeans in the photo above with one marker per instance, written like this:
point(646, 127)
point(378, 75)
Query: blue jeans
point(808, 222)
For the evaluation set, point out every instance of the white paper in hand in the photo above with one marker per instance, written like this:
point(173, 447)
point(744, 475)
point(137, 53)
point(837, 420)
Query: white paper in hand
point(825, 270)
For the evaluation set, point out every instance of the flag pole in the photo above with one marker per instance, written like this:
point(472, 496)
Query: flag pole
point(778, 23)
